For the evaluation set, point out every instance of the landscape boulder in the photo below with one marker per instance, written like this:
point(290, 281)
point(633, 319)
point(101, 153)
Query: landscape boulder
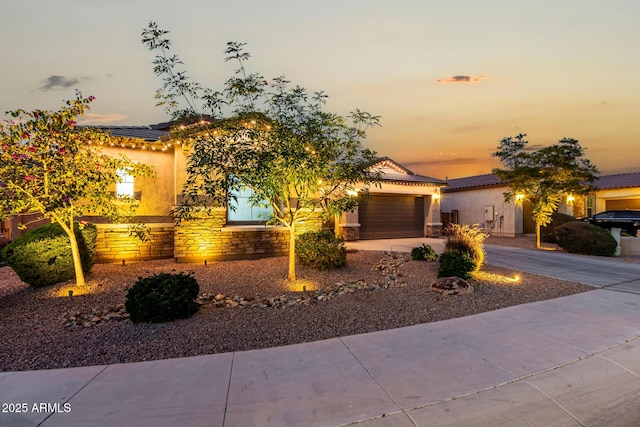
point(451, 286)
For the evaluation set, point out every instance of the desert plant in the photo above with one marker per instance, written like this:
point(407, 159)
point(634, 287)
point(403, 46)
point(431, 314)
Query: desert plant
point(456, 264)
point(583, 238)
point(321, 250)
point(424, 253)
point(468, 239)
point(41, 257)
point(547, 233)
point(162, 298)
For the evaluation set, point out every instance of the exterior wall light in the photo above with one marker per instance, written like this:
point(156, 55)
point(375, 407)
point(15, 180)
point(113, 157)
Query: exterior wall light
point(436, 196)
point(519, 197)
point(570, 199)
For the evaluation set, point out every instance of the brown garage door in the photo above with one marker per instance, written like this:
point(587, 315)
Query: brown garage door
point(391, 216)
point(621, 204)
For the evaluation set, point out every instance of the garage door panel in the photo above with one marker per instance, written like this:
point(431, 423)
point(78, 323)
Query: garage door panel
point(621, 204)
point(391, 216)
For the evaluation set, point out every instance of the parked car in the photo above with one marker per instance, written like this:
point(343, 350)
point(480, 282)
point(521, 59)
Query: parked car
point(628, 220)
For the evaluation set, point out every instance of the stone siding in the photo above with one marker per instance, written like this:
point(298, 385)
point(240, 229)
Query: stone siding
point(114, 244)
point(207, 238)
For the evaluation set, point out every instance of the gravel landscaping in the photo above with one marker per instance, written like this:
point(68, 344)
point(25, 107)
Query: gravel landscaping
point(246, 305)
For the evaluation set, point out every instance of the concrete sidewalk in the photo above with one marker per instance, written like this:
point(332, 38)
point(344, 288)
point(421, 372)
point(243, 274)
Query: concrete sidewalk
point(570, 361)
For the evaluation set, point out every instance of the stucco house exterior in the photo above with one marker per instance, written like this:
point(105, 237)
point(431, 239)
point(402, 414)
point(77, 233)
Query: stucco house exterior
point(480, 200)
point(405, 204)
point(619, 191)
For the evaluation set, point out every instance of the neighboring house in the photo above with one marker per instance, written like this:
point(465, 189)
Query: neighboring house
point(620, 191)
point(480, 200)
point(403, 205)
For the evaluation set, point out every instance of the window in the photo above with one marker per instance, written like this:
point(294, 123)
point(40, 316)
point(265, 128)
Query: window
point(245, 211)
point(124, 188)
point(589, 206)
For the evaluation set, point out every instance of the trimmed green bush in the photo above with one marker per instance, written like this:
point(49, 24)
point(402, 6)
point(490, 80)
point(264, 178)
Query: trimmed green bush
point(468, 239)
point(424, 253)
point(456, 264)
point(3, 242)
point(42, 256)
point(547, 233)
point(321, 250)
point(580, 237)
point(162, 298)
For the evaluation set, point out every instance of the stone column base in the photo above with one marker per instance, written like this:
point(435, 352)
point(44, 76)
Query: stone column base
point(434, 229)
point(350, 232)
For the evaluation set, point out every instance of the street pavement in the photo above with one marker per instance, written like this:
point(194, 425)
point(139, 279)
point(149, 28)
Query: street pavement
point(571, 361)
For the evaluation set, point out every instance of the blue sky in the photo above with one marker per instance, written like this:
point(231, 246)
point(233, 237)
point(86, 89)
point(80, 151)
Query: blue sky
point(449, 78)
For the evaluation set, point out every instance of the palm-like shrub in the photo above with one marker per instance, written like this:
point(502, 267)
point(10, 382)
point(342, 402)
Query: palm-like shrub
point(467, 239)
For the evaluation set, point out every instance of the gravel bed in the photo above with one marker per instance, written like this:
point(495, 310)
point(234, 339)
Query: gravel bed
point(34, 335)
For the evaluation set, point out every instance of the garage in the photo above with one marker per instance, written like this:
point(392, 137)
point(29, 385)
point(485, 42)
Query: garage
point(385, 216)
point(622, 204)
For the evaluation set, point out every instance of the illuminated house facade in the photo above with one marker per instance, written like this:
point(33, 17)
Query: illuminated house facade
point(480, 200)
point(403, 205)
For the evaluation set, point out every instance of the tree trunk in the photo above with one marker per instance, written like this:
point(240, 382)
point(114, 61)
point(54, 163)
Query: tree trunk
point(75, 254)
point(538, 245)
point(292, 253)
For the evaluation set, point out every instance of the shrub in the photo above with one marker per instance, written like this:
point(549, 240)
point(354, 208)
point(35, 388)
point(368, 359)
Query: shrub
point(547, 233)
point(580, 237)
point(42, 256)
point(321, 250)
point(468, 239)
point(162, 298)
point(456, 263)
point(3, 242)
point(424, 253)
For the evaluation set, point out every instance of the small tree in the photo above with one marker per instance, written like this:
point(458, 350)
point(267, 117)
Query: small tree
point(275, 140)
point(544, 176)
point(48, 165)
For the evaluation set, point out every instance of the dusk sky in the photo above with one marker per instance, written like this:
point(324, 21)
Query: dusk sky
point(449, 78)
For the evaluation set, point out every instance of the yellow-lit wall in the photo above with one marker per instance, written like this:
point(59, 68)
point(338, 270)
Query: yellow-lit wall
point(157, 193)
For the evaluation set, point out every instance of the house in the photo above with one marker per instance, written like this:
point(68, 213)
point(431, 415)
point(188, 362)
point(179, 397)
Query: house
point(480, 200)
point(405, 204)
point(619, 191)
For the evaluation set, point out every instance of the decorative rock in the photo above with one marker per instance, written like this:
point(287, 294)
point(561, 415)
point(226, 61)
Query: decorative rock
point(93, 317)
point(451, 286)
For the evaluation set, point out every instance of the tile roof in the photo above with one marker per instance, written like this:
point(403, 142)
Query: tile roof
point(469, 182)
point(140, 132)
point(622, 180)
point(403, 175)
point(604, 182)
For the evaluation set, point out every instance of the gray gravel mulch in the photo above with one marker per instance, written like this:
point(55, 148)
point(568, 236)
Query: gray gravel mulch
point(34, 335)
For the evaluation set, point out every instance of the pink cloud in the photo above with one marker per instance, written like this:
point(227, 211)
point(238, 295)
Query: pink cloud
point(462, 79)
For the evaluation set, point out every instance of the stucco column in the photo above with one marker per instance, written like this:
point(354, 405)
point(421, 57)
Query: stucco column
point(433, 223)
point(615, 232)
